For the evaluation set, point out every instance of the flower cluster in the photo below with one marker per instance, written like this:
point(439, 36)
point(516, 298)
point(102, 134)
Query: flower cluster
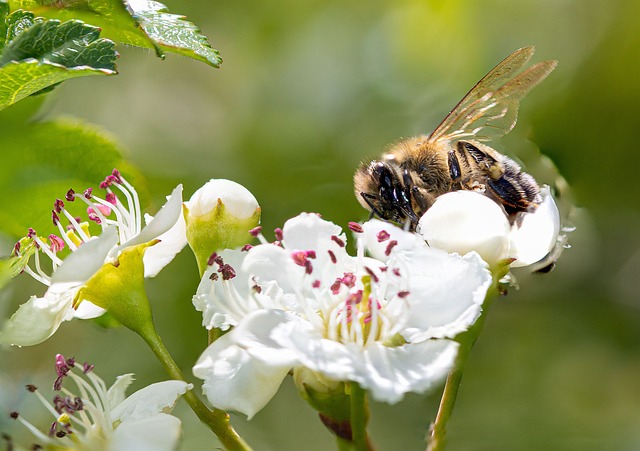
point(101, 418)
point(304, 303)
point(120, 219)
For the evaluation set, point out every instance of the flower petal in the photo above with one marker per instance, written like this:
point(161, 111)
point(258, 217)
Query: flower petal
point(234, 379)
point(88, 310)
point(171, 242)
point(82, 264)
point(150, 400)
point(446, 292)
point(159, 432)
point(37, 319)
point(390, 372)
point(237, 200)
point(465, 221)
point(161, 223)
point(117, 392)
point(375, 230)
point(538, 233)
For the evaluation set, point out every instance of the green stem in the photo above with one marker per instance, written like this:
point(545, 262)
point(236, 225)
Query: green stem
point(359, 418)
point(466, 339)
point(216, 420)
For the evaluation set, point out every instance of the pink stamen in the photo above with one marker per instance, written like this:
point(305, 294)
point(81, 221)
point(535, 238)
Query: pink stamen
point(383, 235)
point(246, 248)
point(315, 284)
point(111, 198)
point(278, 234)
point(255, 231)
point(57, 243)
point(87, 193)
point(334, 260)
point(337, 240)
point(70, 196)
point(58, 205)
point(299, 258)
point(355, 227)
point(371, 273)
point(93, 216)
point(390, 247)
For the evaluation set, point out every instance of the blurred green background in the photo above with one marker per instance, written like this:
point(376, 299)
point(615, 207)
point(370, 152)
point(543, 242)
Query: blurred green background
point(307, 90)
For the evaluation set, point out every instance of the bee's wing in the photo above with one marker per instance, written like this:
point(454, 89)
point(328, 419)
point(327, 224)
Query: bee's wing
point(490, 109)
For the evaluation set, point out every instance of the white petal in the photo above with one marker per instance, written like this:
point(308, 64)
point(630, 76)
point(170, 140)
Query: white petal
point(117, 392)
point(82, 264)
point(538, 233)
point(388, 373)
point(446, 292)
point(465, 221)
point(162, 222)
point(330, 358)
point(308, 231)
point(272, 263)
point(37, 319)
point(150, 400)
point(87, 310)
point(171, 242)
point(234, 380)
point(374, 229)
point(238, 200)
point(159, 432)
point(256, 334)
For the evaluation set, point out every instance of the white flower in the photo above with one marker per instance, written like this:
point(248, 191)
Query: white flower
point(384, 323)
point(465, 221)
point(121, 223)
point(105, 419)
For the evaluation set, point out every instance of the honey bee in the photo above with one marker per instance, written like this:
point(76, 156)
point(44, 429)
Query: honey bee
point(406, 181)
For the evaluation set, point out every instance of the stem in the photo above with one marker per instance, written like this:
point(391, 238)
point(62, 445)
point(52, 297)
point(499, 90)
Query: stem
point(217, 420)
point(466, 339)
point(359, 418)
point(451, 386)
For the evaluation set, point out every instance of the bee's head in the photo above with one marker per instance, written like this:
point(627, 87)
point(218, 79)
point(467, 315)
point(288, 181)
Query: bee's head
point(385, 190)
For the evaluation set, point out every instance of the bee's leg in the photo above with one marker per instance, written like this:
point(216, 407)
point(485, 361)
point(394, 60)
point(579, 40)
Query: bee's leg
point(454, 168)
point(483, 159)
point(374, 211)
point(510, 194)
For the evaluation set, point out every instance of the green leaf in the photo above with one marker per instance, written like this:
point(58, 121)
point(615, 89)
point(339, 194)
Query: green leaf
point(142, 23)
point(172, 32)
point(39, 54)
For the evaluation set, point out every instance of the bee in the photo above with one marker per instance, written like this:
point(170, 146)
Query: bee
point(407, 180)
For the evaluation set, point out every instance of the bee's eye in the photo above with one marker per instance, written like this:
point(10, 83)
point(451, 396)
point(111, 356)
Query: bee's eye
point(384, 176)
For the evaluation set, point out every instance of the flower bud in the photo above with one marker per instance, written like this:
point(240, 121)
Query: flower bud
point(219, 216)
point(465, 221)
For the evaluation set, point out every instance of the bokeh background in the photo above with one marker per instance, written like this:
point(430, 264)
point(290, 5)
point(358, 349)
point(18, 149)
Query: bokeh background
point(306, 92)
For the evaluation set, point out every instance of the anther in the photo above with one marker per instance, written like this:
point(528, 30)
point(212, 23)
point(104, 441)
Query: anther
point(355, 227)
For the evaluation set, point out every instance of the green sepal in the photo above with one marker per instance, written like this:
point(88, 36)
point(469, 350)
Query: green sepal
point(329, 398)
point(217, 230)
point(119, 288)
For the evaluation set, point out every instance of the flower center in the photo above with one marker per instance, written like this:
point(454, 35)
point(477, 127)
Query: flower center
point(357, 318)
